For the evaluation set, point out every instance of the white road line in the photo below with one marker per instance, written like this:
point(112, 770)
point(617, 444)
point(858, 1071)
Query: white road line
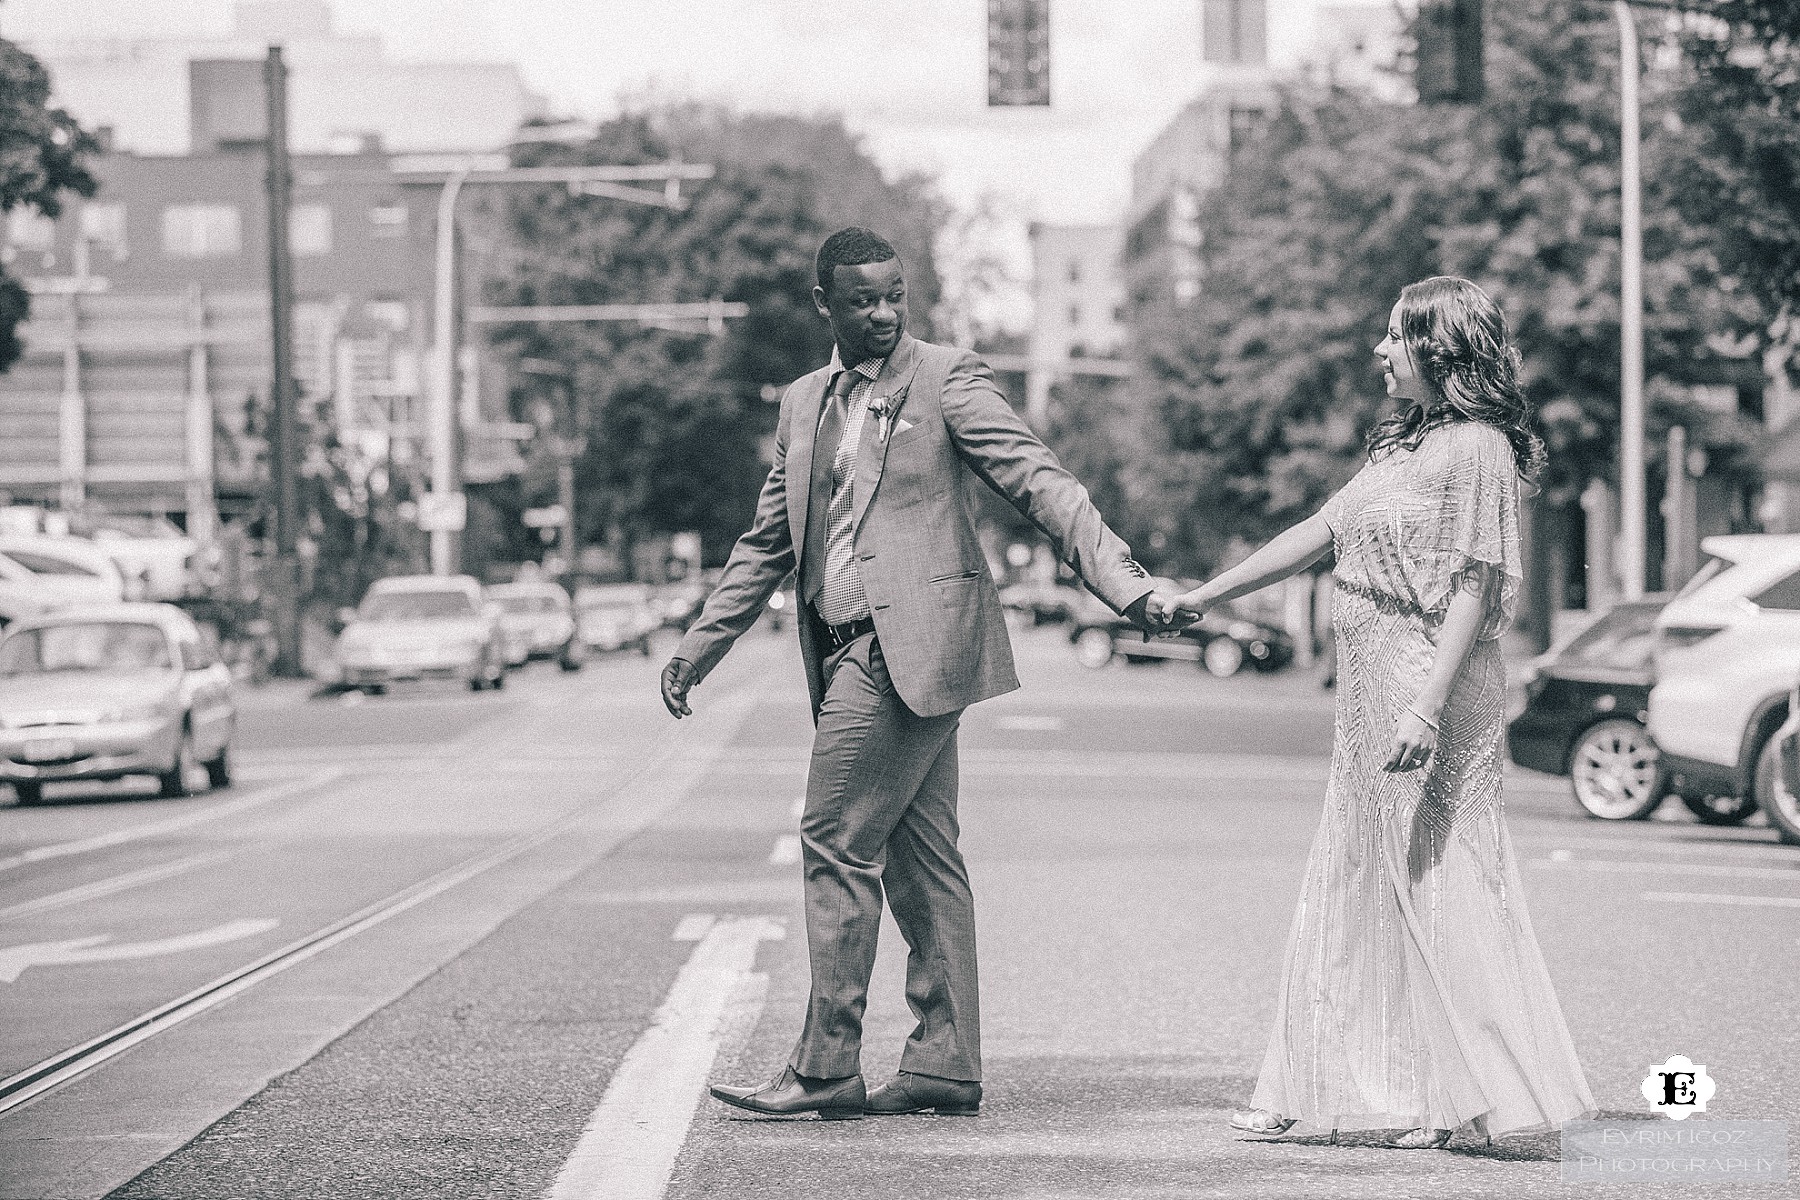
point(1706, 898)
point(632, 1140)
point(106, 887)
point(1663, 844)
point(136, 833)
point(693, 927)
point(1668, 868)
point(1030, 724)
point(786, 852)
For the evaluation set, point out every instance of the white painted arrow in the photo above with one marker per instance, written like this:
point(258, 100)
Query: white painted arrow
point(15, 959)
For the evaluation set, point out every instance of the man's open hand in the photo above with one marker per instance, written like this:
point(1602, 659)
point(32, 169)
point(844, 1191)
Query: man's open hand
point(677, 678)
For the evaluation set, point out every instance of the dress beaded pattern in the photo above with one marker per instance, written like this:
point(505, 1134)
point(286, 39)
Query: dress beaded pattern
point(1414, 993)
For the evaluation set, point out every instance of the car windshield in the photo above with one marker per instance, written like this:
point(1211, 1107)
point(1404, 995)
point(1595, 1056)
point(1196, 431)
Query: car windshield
point(1622, 639)
point(85, 646)
point(527, 604)
point(1708, 569)
point(418, 606)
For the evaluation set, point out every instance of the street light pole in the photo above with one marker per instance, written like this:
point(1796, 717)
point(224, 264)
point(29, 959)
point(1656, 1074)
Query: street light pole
point(284, 437)
point(1632, 551)
point(444, 508)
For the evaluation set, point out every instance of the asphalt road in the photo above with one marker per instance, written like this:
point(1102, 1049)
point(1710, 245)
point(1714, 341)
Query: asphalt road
point(551, 912)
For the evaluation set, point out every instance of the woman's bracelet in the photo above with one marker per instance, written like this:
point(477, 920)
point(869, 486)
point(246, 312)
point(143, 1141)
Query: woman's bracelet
point(1415, 712)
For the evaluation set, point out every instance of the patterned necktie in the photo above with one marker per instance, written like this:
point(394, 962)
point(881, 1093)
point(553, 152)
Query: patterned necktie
point(825, 448)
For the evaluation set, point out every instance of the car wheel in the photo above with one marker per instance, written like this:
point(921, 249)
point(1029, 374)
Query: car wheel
point(1222, 657)
point(178, 780)
point(218, 770)
point(1615, 771)
point(477, 683)
point(1721, 810)
point(499, 680)
point(1781, 806)
point(1094, 648)
point(644, 647)
point(29, 793)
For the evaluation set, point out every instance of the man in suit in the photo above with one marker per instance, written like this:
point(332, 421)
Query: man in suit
point(900, 630)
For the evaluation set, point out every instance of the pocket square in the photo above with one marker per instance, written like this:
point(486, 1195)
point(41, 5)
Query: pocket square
point(901, 425)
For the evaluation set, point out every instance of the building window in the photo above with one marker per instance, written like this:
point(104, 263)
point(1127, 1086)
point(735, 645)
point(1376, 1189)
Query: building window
point(103, 225)
point(309, 230)
point(388, 220)
point(30, 230)
point(1245, 124)
point(391, 315)
point(202, 231)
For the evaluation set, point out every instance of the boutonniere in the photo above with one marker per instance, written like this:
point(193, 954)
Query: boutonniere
point(883, 408)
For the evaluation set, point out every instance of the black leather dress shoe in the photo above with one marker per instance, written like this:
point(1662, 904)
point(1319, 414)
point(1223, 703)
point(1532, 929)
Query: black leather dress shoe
point(912, 1093)
point(790, 1095)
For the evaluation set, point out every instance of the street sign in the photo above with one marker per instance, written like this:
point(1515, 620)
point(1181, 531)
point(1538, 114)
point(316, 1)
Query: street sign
point(443, 512)
point(544, 518)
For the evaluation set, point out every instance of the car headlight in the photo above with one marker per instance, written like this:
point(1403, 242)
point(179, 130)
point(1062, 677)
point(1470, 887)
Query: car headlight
point(136, 712)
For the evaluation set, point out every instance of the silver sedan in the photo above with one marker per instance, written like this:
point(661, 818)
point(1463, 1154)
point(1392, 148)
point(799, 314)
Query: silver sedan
point(94, 692)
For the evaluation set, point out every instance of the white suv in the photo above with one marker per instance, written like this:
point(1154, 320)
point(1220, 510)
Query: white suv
point(1727, 654)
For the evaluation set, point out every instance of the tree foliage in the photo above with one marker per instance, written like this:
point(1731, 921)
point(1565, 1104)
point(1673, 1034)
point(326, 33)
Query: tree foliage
point(41, 154)
point(676, 423)
point(1262, 387)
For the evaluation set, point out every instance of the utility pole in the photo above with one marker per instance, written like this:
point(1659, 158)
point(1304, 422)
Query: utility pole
point(284, 441)
point(1632, 551)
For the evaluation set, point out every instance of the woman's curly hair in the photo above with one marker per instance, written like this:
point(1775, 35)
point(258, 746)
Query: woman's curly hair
point(1458, 341)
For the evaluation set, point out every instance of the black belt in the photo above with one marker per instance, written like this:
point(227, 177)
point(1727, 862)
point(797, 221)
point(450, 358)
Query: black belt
point(842, 635)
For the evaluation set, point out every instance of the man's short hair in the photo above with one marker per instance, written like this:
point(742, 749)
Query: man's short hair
point(850, 247)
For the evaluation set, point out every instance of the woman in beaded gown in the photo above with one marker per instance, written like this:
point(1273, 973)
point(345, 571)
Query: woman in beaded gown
point(1414, 996)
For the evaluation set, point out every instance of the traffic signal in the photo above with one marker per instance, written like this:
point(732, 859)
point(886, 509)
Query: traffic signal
point(1448, 67)
point(1018, 53)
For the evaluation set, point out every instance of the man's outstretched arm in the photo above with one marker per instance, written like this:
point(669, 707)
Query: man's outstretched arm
point(759, 561)
point(1000, 447)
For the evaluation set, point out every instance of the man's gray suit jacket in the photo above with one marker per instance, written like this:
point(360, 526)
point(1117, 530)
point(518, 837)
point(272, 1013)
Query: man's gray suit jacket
point(936, 611)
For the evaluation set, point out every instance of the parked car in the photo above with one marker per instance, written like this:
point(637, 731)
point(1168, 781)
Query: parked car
point(537, 620)
point(1585, 711)
point(156, 559)
point(1727, 654)
point(1043, 603)
point(422, 627)
point(1222, 644)
point(1780, 801)
point(616, 617)
point(58, 570)
point(94, 692)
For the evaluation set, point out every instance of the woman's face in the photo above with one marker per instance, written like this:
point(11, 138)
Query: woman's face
point(1397, 370)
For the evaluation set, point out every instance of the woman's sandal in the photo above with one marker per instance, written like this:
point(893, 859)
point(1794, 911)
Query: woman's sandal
point(1261, 1120)
point(1422, 1139)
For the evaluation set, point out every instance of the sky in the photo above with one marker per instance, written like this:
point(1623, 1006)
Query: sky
point(910, 77)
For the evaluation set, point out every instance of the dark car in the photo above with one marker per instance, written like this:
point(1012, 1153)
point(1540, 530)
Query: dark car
point(1042, 603)
point(1585, 713)
point(1223, 644)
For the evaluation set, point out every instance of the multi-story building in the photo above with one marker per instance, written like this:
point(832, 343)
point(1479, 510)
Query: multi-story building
point(344, 88)
point(1078, 307)
point(146, 372)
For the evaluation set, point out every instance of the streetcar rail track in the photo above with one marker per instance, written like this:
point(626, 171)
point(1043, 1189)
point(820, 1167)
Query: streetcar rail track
point(66, 1065)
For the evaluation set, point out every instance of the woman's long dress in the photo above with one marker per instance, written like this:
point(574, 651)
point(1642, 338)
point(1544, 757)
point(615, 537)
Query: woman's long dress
point(1414, 993)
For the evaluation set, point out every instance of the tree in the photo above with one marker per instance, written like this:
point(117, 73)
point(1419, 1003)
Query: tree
point(676, 423)
point(41, 153)
point(1263, 386)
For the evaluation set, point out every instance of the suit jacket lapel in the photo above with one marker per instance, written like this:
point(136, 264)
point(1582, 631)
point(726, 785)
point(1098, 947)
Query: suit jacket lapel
point(871, 451)
point(800, 461)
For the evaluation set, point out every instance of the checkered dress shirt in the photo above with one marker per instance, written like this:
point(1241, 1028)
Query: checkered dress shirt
point(841, 598)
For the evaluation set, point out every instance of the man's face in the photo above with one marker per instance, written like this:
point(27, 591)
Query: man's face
point(866, 306)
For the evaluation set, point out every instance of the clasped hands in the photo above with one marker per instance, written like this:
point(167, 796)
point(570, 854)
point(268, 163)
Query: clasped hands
point(1163, 611)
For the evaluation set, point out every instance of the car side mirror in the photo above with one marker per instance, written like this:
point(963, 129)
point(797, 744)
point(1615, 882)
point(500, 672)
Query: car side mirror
point(346, 616)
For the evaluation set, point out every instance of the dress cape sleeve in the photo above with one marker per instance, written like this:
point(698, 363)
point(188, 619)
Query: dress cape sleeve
point(1476, 526)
